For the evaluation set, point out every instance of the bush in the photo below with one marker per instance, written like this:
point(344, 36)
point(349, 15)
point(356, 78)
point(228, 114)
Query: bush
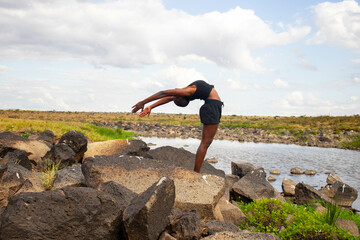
point(48, 174)
point(289, 221)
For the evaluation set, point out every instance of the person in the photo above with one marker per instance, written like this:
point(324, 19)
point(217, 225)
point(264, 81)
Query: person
point(210, 112)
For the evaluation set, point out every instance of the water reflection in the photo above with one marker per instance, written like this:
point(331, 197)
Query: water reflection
point(279, 156)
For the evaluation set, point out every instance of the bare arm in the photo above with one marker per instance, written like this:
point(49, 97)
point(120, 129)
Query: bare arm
point(162, 101)
point(183, 92)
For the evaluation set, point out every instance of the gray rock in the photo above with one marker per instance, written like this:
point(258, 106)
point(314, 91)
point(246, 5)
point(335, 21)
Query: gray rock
point(184, 225)
point(147, 215)
point(348, 225)
point(48, 137)
point(288, 187)
point(304, 193)
point(136, 148)
point(211, 227)
point(253, 186)
point(241, 168)
point(77, 141)
point(60, 153)
point(17, 157)
point(68, 213)
point(70, 177)
point(345, 195)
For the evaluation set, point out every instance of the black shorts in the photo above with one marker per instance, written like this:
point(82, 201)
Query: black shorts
point(210, 112)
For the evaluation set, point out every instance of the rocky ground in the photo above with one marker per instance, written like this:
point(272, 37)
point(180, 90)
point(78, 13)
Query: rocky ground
point(318, 138)
point(121, 189)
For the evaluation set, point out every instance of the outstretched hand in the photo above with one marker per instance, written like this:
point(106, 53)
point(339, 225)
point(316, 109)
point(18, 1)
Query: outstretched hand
point(137, 106)
point(145, 112)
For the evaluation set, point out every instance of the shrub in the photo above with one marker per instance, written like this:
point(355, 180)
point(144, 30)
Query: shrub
point(48, 173)
point(289, 221)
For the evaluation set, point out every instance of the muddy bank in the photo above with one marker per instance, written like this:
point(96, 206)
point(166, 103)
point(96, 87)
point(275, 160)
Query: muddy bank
point(318, 137)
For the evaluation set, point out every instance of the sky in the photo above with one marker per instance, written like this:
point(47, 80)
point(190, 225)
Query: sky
point(265, 58)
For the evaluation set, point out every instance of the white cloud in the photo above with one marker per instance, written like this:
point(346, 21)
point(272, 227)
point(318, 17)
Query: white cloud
point(130, 33)
point(295, 98)
point(354, 98)
point(281, 83)
point(338, 24)
point(357, 79)
point(4, 69)
point(236, 85)
point(178, 76)
point(307, 65)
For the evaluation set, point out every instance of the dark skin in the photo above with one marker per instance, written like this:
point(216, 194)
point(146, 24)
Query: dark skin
point(178, 96)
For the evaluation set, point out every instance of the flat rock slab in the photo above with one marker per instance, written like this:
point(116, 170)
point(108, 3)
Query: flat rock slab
point(68, 213)
point(193, 190)
point(111, 147)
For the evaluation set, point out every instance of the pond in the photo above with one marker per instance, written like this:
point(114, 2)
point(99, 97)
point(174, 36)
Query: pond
point(343, 163)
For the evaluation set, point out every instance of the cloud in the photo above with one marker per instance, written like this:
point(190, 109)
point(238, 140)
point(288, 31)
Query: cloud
point(338, 24)
point(130, 33)
point(4, 69)
point(281, 83)
point(237, 86)
point(356, 79)
point(178, 76)
point(307, 65)
point(354, 98)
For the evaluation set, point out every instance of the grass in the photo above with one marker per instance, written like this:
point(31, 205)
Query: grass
point(355, 143)
point(91, 131)
point(48, 174)
point(290, 221)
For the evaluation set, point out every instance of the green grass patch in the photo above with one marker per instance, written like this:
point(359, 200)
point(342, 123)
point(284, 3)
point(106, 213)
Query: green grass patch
point(290, 221)
point(354, 143)
point(91, 131)
point(48, 174)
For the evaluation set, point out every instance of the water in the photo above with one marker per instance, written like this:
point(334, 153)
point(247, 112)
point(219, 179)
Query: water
point(343, 163)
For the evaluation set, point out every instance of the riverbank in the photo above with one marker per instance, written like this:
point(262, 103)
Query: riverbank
point(318, 138)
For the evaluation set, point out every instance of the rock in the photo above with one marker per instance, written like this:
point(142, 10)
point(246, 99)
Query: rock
point(310, 172)
point(77, 141)
point(241, 236)
point(166, 236)
point(230, 180)
point(254, 186)
point(304, 193)
point(15, 179)
point(319, 208)
point(230, 213)
point(211, 227)
point(60, 153)
point(184, 224)
point(288, 187)
point(275, 172)
point(136, 148)
point(17, 157)
point(241, 168)
point(332, 178)
point(147, 215)
point(110, 147)
point(182, 158)
point(34, 149)
point(296, 171)
point(211, 160)
point(68, 213)
point(345, 195)
point(70, 177)
point(120, 193)
point(348, 225)
point(48, 137)
point(271, 179)
point(193, 190)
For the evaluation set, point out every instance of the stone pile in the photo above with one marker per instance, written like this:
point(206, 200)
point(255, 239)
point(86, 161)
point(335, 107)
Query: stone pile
point(121, 189)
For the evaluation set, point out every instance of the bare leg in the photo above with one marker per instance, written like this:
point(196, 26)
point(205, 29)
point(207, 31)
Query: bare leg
point(208, 133)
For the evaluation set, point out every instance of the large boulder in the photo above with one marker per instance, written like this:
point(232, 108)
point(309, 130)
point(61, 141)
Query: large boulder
point(254, 186)
point(288, 187)
point(120, 193)
point(68, 213)
point(193, 190)
point(230, 212)
point(47, 136)
point(34, 149)
point(17, 157)
point(210, 227)
point(304, 193)
point(15, 179)
point(343, 194)
point(77, 142)
point(60, 153)
point(147, 215)
point(70, 177)
point(242, 168)
point(110, 147)
point(184, 224)
point(332, 178)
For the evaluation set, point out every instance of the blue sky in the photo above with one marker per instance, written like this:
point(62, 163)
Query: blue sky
point(286, 58)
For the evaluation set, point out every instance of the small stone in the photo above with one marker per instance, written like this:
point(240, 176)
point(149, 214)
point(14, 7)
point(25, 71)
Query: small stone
point(275, 172)
point(310, 172)
point(296, 171)
point(271, 179)
point(211, 160)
